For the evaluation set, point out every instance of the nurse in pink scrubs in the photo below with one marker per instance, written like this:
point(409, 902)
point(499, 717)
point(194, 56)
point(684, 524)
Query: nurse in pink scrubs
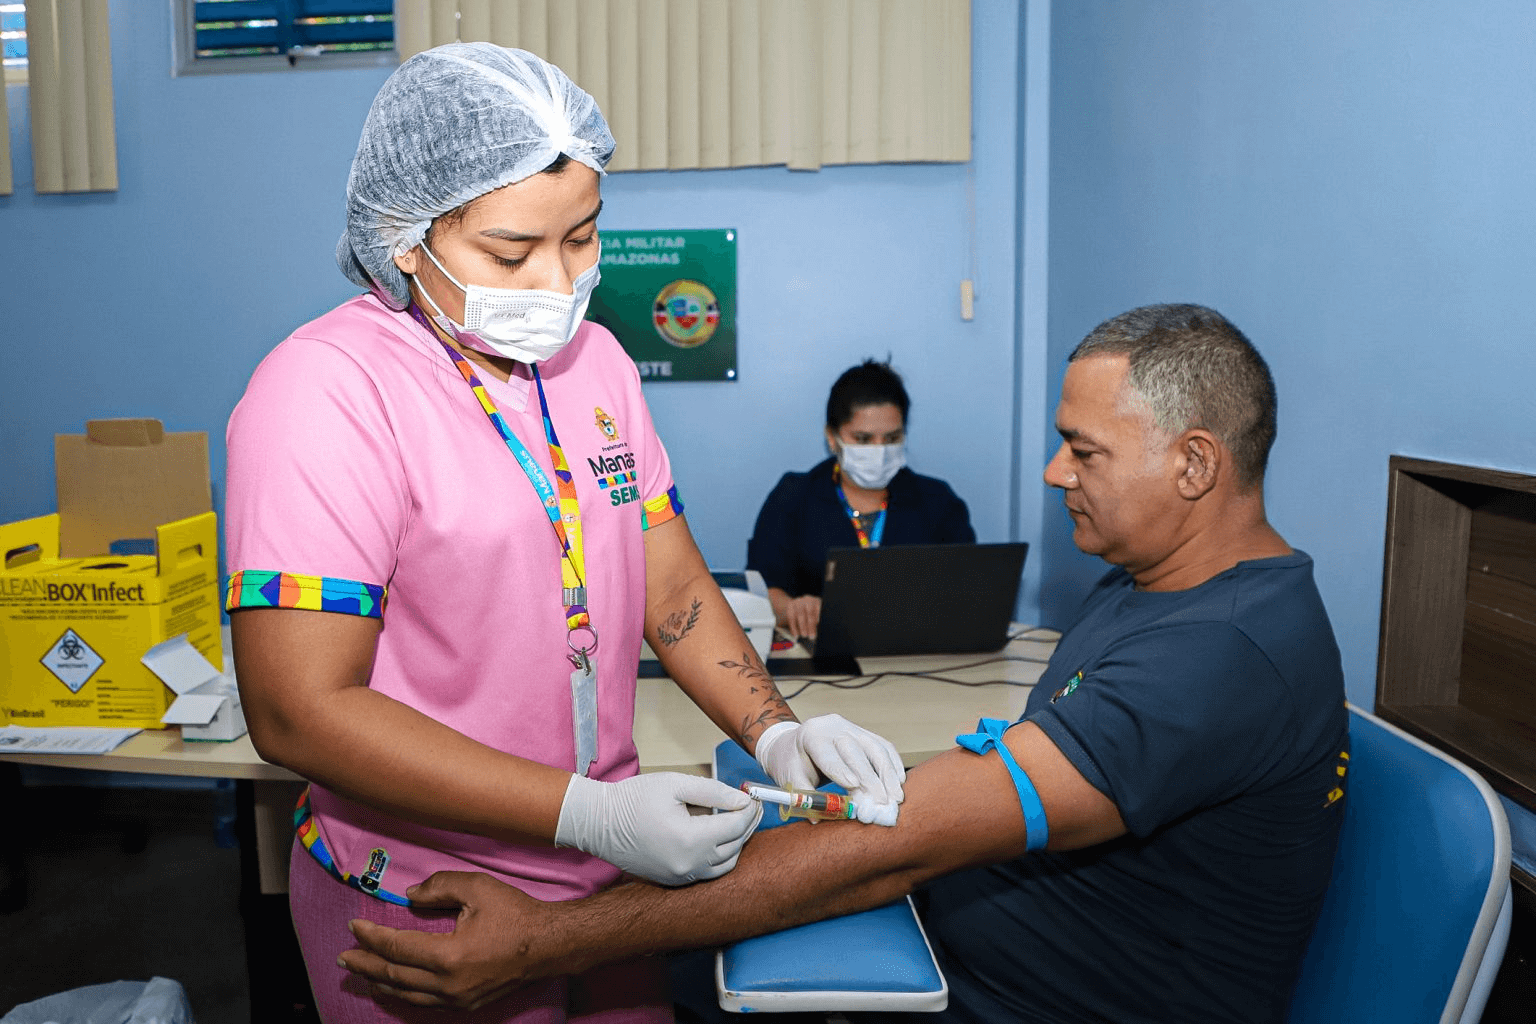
point(450, 523)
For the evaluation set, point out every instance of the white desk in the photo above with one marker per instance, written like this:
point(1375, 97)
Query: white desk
point(907, 700)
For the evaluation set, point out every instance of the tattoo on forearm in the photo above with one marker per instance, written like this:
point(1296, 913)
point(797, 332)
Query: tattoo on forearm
point(774, 709)
point(678, 624)
point(751, 669)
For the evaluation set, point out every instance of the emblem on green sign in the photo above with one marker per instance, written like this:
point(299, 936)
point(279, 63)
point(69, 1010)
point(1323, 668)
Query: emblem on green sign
point(670, 299)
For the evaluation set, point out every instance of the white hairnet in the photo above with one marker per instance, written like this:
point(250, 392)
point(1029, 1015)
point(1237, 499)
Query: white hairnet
point(451, 124)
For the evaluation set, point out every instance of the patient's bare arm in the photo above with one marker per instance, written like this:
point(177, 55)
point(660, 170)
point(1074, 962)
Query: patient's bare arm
point(961, 810)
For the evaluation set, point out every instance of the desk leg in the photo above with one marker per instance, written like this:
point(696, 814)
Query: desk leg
point(273, 815)
point(13, 851)
point(278, 983)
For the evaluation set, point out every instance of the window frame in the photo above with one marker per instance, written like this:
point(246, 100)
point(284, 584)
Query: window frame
point(16, 76)
point(184, 61)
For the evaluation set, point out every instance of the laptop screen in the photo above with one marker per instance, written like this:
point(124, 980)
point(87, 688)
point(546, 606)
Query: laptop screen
point(918, 599)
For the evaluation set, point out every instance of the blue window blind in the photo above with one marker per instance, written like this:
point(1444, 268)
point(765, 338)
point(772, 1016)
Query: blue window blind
point(13, 34)
point(247, 28)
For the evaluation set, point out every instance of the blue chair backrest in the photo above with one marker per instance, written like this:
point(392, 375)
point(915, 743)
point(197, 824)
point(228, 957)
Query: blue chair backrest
point(1420, 874)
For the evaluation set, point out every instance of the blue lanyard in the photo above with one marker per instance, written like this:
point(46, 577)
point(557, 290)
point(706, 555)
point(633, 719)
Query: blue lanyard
point(560, 508)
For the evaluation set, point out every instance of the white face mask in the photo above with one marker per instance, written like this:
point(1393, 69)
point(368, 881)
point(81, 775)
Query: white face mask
point(525, 324)
point(871, 466)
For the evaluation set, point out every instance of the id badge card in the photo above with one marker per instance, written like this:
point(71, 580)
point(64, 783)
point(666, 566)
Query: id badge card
point(584, 712)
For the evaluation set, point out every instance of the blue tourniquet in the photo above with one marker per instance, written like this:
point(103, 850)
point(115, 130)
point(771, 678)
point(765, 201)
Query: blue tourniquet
point(989, 736)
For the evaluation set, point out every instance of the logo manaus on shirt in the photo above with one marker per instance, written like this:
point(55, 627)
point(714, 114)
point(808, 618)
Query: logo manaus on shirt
point(615, 473)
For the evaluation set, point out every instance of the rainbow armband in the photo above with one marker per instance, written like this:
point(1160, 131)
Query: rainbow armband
point(989, 736)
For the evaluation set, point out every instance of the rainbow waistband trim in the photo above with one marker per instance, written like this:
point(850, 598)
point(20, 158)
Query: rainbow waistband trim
point(368, 882)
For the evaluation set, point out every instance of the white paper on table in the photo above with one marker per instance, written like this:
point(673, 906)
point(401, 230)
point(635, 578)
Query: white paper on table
point(179, 665)
point(24, 739)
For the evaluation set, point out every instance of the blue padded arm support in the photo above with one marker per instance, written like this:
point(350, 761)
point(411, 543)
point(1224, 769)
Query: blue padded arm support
point(875, 960)
point(989, 736)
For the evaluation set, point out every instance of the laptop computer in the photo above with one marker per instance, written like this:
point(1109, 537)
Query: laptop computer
point(912, 599)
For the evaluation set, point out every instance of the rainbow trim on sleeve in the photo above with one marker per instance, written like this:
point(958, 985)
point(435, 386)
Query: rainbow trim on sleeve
point(659, 509)
point(252, 588)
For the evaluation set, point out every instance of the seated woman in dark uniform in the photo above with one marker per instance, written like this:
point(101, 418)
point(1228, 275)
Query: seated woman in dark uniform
point(863, 495)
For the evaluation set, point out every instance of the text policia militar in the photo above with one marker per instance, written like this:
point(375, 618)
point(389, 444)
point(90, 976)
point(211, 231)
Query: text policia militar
point(616, 251)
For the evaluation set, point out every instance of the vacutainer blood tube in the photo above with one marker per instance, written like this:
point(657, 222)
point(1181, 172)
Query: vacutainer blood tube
point(801, 803)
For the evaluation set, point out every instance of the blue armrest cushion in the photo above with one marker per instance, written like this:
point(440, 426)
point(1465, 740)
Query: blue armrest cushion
point(880, 950)
point(876, 959)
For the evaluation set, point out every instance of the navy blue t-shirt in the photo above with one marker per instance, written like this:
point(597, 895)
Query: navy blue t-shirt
point(803, 517)
point(1214, 719)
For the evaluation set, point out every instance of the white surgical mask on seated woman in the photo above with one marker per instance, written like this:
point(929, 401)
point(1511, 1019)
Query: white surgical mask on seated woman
point(871, 466)
point(525, 324)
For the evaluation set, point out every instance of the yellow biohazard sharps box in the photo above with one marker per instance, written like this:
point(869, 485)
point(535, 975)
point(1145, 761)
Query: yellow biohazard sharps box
point(130, 559)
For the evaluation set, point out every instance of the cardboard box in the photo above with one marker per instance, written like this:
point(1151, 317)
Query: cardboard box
point(130, 559)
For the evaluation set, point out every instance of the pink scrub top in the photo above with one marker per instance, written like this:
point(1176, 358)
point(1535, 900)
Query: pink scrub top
point(365, 478)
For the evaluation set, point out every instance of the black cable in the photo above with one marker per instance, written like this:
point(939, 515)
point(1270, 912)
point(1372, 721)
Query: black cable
point(993, 660)
point(847, 682)
point(978, 682)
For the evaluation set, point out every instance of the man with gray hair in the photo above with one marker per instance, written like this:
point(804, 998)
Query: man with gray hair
point(1194, 369)
point(1151, 841)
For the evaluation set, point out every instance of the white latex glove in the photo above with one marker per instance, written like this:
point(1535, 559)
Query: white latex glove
point(866, 765)
point(642, 825)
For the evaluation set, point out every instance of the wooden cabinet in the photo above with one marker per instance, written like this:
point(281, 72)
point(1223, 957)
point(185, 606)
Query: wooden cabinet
point(1457, 662)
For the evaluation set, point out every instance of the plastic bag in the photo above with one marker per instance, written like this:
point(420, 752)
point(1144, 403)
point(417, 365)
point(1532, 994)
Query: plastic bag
point(157, 1001)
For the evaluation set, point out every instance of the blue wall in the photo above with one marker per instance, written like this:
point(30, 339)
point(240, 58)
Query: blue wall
point(159, 299)
point(1352, 185)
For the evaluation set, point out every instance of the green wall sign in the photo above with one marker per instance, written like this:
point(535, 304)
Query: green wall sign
point(670, 299)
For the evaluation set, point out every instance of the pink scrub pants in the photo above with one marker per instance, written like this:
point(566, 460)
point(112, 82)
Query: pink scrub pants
point(634, 992)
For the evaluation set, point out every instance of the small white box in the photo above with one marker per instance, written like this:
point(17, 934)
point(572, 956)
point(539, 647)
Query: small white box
point(207, 705)
point(210, 712)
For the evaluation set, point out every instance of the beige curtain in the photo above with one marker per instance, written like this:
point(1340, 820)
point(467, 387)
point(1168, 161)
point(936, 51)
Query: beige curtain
point(69, 78)
point(5, 142)
point(738, 83)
